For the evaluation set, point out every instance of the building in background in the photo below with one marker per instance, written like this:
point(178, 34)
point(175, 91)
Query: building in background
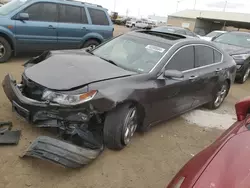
point(203, 22)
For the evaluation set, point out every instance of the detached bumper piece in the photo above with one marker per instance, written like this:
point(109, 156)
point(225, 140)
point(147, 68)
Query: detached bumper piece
point(8, 137)
point(62, 153)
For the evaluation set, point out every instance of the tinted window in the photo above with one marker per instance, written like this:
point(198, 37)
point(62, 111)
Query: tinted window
point(98, 17)
point(70, 14)
point(183, 60)
point(204, 55)
point(217, 56)
point(42, 12)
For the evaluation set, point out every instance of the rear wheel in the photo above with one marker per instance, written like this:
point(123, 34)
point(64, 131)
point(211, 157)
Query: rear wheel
point(91, 43)
point(244, 78)
point(120, 126)
point(219, 97)
point(5, 50)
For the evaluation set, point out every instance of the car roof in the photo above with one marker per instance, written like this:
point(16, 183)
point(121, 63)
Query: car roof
point(240, 32)
point(163, 37)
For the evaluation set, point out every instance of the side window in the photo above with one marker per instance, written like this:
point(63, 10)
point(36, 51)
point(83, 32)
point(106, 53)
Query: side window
point(217, 56)
point(70, 14)
point(204, 55)
point(98, 17)
point(42, 12)
point(183, 60)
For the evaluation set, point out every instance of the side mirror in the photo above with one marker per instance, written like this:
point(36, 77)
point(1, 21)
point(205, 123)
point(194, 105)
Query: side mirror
point(23, 16)
point(173, 74)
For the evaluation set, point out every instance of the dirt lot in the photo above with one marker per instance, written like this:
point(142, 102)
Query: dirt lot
point(150, 161)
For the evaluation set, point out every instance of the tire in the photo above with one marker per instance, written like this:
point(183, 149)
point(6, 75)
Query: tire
point(116, 126)
point(91, 42)
point(5, 50)
point(213, 104)
point(245, 76)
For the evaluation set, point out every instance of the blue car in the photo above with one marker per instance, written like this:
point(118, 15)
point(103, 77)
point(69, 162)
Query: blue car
point(40, 25)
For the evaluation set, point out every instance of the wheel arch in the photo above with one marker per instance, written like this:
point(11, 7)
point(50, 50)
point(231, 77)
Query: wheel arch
point(9, 39)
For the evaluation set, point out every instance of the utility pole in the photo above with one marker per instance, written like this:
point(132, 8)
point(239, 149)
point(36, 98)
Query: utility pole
point(225, 6)
point(194, 4)
point(114, 5)
point(127, 12)
point(177, 5)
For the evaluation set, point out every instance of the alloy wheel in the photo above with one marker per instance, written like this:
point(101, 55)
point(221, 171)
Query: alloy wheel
point(245, 77)
point(2, 50)
point(129, 126)
point(221, 95)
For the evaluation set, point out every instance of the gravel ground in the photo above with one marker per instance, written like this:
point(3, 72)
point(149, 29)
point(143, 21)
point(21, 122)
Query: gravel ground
point(151, 160)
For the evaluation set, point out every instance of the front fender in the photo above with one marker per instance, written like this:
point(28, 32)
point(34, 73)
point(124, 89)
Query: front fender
point(6, 32)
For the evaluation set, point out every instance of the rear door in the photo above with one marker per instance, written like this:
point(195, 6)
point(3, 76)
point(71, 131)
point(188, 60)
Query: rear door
point(208, 62)
point(100, 23)
point(72, 26)
point(175, 96)
point(40, 31)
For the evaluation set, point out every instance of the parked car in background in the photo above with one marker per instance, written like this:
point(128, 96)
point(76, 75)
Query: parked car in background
point(212, 35)
point(225, 163)
point(176, 30)
point(143, 24)
point(237, 44)
point(129, 83)
point(37, 25)
point(130, 23)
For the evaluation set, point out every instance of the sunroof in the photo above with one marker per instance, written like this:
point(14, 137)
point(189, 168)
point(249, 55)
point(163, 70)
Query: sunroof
point(169, 36)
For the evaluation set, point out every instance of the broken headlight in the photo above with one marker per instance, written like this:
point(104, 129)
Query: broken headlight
point(66, 99)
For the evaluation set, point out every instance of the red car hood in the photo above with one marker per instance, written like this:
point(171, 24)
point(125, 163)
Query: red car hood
point(231, 166)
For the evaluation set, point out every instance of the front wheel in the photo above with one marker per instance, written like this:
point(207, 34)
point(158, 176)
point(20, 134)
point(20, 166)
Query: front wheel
point(120, 126)
point(5, 50)
point(219, 97)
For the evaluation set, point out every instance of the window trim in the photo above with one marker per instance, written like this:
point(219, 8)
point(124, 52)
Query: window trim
point(196, 68)
point(57, 15)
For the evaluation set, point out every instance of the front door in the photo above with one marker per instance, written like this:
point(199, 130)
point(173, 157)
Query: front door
point(72, 27)
point(176, 95)
point(39, 33)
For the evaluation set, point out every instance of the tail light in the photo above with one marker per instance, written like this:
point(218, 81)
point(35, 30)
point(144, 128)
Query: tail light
point(242, 108)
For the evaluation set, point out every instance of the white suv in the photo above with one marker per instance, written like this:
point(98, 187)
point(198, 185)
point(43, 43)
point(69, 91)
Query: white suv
point(130, 23)
point(142, 24)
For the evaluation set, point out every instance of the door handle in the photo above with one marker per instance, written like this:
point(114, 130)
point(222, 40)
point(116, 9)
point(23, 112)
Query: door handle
point(193, 77)
point(84, 28)
point(218, 70)
point(51, 27)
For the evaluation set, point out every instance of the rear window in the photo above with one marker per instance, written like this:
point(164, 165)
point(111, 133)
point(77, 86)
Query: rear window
point(98, 17)
point(217, 56)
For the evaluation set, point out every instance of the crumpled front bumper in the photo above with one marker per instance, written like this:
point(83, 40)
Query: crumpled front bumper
point(60, 152)
point(46, 148)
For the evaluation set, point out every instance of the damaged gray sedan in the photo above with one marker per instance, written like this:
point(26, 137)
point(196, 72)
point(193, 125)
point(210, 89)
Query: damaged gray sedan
point(102, 96)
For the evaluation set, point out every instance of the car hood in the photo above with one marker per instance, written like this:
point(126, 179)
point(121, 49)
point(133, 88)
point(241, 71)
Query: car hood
point(231, 166)
point(232, 49)
point(65, 71)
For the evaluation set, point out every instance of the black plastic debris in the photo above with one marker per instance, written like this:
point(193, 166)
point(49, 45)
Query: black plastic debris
point(8, 137)
point(62, 153)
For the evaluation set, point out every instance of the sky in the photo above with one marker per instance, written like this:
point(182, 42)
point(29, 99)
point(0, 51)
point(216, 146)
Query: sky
point(143, 8)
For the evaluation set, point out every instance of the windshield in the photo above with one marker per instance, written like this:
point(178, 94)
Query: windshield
point(12, 5)
point(132, 53)
point(213, 34)
point(237, 39)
